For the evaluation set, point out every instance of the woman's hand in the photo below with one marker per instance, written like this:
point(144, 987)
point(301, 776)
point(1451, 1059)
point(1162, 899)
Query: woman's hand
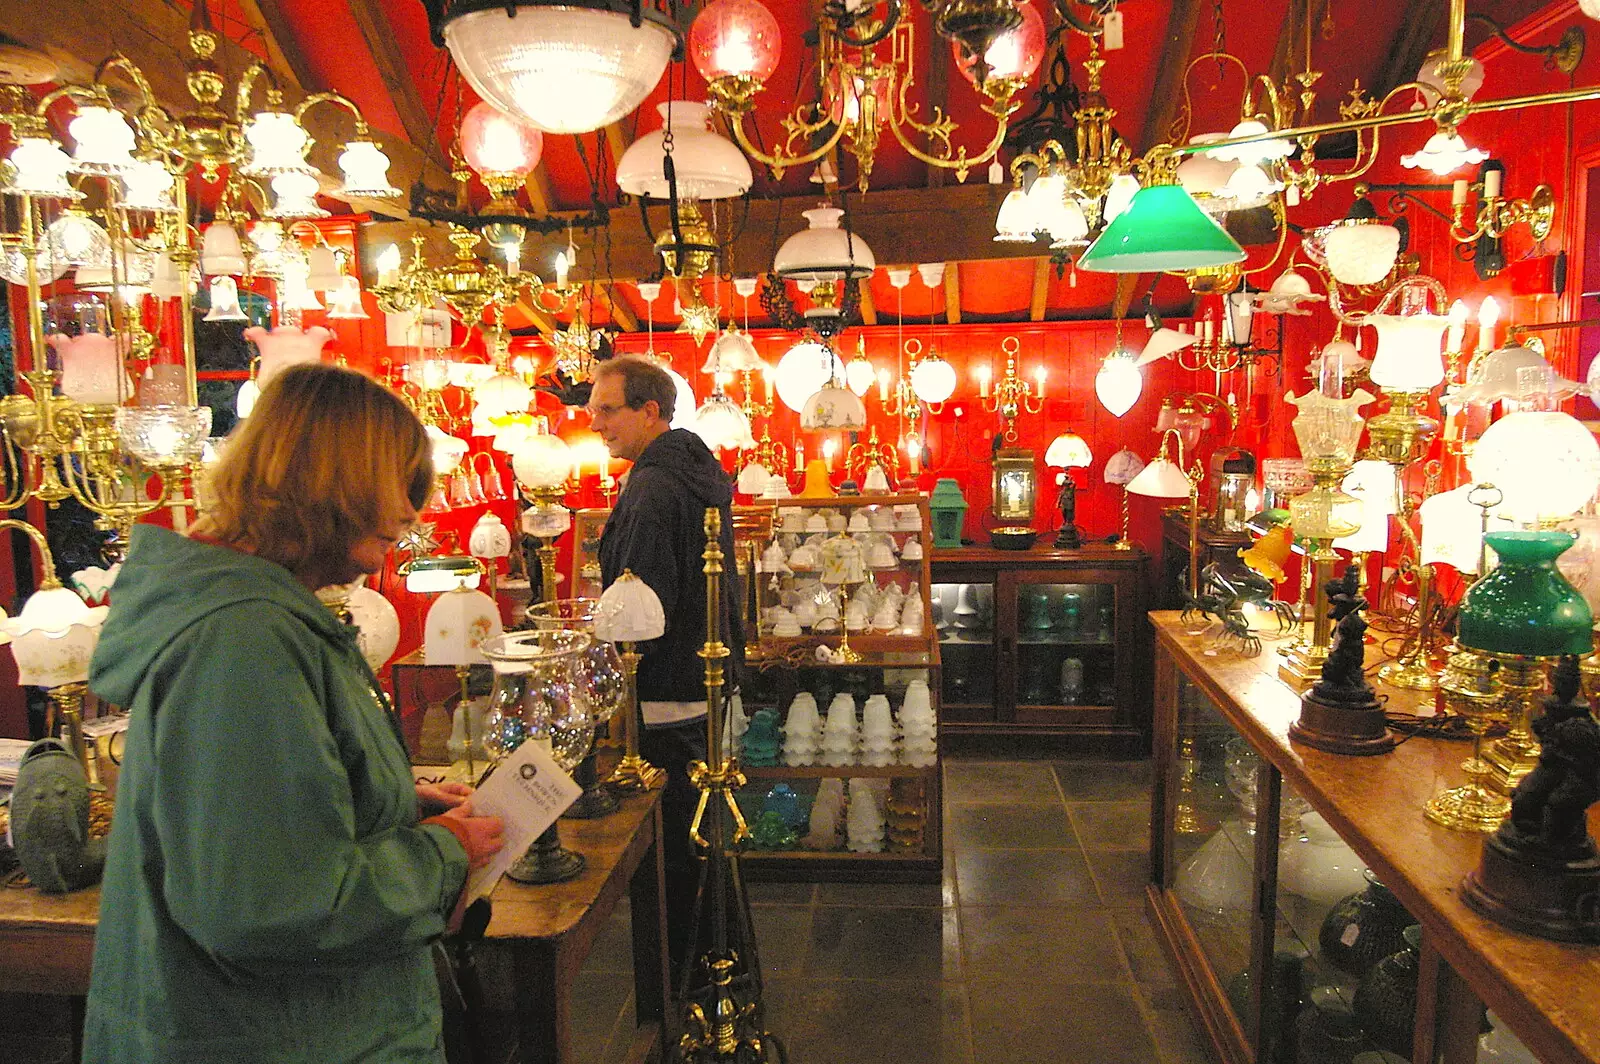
point(437, 798)
point(481, 836)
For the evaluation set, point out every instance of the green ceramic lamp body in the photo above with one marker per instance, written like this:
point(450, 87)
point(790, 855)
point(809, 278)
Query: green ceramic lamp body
point(1162, 229)
point(1525, 606)
point(948, 509)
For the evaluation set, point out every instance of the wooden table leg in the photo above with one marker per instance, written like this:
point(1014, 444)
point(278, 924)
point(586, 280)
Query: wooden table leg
point(544, 1007)
point(648, 918)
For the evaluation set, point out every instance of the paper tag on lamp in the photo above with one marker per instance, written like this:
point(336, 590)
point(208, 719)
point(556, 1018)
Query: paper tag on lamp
point(417, 328)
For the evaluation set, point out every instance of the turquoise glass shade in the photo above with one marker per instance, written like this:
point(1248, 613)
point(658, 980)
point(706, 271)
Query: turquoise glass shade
point(1162, 229)
point(1525, 606)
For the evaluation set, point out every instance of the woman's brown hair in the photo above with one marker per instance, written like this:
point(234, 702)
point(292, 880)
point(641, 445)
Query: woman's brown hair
point(328, 457)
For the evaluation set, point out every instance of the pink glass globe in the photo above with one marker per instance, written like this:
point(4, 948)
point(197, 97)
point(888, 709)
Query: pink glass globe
point(737, 38)
point(495, 143)
point(1016, 53)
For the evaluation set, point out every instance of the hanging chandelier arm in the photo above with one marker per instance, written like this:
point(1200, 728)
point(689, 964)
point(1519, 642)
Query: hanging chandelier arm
point(1180, 132)
point(247, 87)
point(47, 563)
point(798, 128)
point(337, 100)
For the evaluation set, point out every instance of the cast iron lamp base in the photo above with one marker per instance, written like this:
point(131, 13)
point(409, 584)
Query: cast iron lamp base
point(547, 861)
point(1535, 893)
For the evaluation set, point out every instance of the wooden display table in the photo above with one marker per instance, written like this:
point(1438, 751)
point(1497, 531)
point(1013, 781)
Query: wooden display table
point(547, 931)
point(1547, 992)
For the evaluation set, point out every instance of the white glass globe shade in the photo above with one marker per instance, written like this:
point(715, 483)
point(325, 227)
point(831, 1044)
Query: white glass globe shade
point(1118, 382)
point(823, 251)
point(708, 166)
point(448, 451)
point(1546, 462)
point(543, 461)
point(564, 69)
point(1410, 356)
point(1363, 253)
point(832, 408)
point(933, 380)
point(802, 370)
point(721, 423)
point(683, 405)
point(377, 625)
point(502, 394)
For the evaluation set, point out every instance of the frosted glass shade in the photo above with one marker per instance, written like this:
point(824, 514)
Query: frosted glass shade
point(40, 168)
point(708, 166)
point(833, 408)
point(823, 251)
point(1373, 484)
point(629, 611)
point(448, 451)
point(933, 380)
point(220, 250)
point(458, 624)
point(1444, 153)
point(78, 240)
point(103, 141)
point(735, 38)
point(1163, 343)
point(1361, 253)
point(1066, 451)
point(1118, 382)
point(543, 462)
point(564, 69)
point(1409, 356)
point(802, 370)
point(365, 169)
point(1014, 223)
point(732, 352)
point(721, 423)
point(1161, 479)
point(1252, 154)
point(1546, 462)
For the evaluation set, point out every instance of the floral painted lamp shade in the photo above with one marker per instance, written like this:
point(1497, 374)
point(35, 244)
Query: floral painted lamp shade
point(458, 624)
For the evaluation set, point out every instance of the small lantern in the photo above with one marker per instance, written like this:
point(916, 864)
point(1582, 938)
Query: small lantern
point(948, 508)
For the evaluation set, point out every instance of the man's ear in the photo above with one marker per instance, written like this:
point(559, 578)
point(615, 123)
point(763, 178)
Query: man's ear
point(652, 408)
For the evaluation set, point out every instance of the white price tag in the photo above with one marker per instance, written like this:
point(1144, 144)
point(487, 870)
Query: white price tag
point(1350, 935)
point(1112, 26)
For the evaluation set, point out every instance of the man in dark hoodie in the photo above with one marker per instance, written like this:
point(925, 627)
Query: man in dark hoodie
point(658, 531)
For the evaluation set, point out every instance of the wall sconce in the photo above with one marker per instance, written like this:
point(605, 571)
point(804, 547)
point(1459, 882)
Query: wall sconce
point(1481, 227)
point(1012, 395)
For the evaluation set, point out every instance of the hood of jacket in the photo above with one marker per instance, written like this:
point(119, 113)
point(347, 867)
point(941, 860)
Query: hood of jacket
point(169, 582)
point(686, 455)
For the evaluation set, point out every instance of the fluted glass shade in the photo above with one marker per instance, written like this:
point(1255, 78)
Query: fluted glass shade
point(1328, 429)
point(1409, 355)
point(629, 611)
point(1162, 229)
point(163, 435)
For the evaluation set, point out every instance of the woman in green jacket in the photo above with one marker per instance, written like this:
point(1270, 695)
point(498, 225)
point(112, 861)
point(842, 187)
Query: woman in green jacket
point(272, 888)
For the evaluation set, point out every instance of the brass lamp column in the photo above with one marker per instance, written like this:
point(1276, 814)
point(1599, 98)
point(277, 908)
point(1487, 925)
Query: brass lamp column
point(1468, 687)
point(1327, 428)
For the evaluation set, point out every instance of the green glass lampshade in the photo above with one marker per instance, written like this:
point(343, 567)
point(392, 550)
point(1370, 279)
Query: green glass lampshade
point(1525, 606)
point(1163, 229)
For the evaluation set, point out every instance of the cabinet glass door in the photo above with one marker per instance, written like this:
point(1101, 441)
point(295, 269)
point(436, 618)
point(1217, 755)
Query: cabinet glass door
point(1066, 651)
point(965, 616)
point(1214, 841)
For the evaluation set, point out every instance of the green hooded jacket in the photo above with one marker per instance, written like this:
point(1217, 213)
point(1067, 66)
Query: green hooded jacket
point(269, 894)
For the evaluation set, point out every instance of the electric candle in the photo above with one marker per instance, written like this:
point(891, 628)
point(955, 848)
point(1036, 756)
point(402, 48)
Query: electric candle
point(1039, 376)
point(883, 385)
point(1491, 184)
point(982, 373)
point(1458, 325)
point(1458, 193)
point(1488, 317)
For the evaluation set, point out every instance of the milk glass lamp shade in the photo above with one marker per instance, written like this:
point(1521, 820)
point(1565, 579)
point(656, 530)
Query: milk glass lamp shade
point(707, 165)
point(39, 168)
point(823, 251)
point(103, 141)
point(1256, 153)
point(1360, 252)
point(1161, 479)
point(860, 375)
point(629, 612)
point(753, 479)
point(344, 302)
point(1067, 451)
point(933, 380)
point(1163, 343)
point(1453, 527)
point(225, 301)
point(494, 142)
point(566, 68)
point(53, 637)
point(502, 393)
point(1122, 467)
point(163, 436)
point(721, 423)
point(220, 250)
point(1162, 229)
point(735, 39)
point(295, 196)
point(1373, 484)
point(1118, 382)
point(448, 450)
point(1513, 372)
point(1014, 222)
point(286, 346)
point(1444, 153)
point(490, 537)
point(1328, 429)
point(1524, 605)
point(832, 408)
point(803, 369)
point(543, 462)
point(458, 624)
point(377, 625)
point(365, 169)
point(278, 145)
point(1409, 356)
point(1546, 462)
point(1288, 294)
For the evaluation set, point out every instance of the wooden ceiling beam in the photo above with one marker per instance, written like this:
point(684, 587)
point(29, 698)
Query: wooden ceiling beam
point(869, 313)
point(542, 320)
point(283, 50)
point(952, 294)
point(540, 197)
point(1037, 304)
point(617, 307)
point(1166, 94)
point(373, 22)
point(1418, 31)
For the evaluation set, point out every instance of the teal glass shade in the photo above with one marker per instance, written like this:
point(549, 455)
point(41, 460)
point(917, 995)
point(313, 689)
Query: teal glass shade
point(1525, 606)
point(1162, 229)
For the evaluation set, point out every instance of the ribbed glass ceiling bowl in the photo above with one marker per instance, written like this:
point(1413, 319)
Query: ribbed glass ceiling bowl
point(566, 69)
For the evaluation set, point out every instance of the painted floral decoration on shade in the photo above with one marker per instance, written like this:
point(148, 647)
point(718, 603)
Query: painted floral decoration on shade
point(94, 583)
point(1122, 467)
point(54, 637)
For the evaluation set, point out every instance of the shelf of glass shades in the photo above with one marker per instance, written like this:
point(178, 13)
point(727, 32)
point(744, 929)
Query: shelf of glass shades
point(786, 772)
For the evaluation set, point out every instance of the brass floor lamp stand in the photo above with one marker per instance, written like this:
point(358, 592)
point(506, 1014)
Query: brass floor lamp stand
point(633, 774)
point(721, 982)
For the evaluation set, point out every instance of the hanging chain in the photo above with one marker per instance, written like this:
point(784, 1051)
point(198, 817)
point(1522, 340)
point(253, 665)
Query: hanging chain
point(1219, 39)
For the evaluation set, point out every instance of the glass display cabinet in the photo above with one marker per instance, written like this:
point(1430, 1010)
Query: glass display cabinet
point(839, 713)
point(1044, 642)
point(1309, 908)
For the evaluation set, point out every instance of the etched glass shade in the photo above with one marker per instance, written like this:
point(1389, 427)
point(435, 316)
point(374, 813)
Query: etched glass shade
point(278, 145)
point(377, 625)
point(564, 69)
point(1118, 383)
point(1409, 357)
point(163, 436)
point(1546, 463)
point(543, 461)
point(1357, 252)
point(1328, 429)
point(629, 611)
point(1512, 372)
point(494, 142)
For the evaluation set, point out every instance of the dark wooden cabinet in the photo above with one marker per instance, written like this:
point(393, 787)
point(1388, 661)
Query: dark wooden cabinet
point(1214, 547)
point(1045, 642)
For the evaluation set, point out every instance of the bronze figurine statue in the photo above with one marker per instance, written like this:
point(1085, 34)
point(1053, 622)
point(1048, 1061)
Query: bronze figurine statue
point(1340, 714)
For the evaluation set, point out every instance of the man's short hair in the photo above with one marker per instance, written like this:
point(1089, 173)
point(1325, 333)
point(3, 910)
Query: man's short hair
point(642, 381)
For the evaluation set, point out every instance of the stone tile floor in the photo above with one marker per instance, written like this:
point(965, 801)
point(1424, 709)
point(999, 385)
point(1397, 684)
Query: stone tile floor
point(1034, 947)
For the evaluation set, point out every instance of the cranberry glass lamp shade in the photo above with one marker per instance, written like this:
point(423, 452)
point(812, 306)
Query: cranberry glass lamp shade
point(735, 38)
point(494, 142)
point(1013, 55)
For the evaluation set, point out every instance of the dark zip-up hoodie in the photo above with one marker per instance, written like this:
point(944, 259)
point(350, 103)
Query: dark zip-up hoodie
point(658, 531)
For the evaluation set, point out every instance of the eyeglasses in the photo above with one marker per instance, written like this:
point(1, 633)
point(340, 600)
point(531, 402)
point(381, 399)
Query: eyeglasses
point(607, 410)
